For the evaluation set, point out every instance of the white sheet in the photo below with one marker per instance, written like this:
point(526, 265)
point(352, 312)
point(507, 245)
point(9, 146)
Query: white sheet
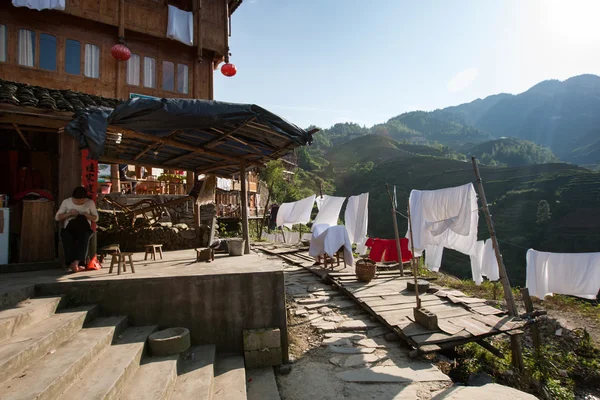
point(181, 26)
point(297, 212)
point(476, 261)
point(329, 210)
point(40, 4)
point(433, 257)
point(328, 240)
point(575, 274)
point(489, 263)
point(356, 218)
point(445, 217)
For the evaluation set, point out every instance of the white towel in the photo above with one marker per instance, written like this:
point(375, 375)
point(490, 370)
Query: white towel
point(476, 261)
point(297, 212)
point(356, 218)
point(40, 4)
point(489, 263)
point(575, 274)
point(445, 217)
point(329, 210)
point(181, 26)
point(328, 240)
point(433, 257)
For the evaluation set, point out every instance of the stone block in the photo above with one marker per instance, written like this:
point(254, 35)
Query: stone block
point(426, 318)
point(260, 339)
point(264, 358)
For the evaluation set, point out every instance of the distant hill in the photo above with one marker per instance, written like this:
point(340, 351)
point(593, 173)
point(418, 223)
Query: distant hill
point(510, 152)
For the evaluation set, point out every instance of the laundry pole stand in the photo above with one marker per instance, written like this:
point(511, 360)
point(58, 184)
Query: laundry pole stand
point(396, 234)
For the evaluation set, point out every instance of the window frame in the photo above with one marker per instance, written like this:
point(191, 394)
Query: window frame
point(80, 73)
point(39, 56)
point(6, 44)
point(100, 68)
point(36, 53)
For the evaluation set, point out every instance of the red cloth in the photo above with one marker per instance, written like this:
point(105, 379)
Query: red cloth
point(385, 250)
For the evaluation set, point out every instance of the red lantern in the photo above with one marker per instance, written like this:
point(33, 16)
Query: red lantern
point(228, 69)
point(120, 52)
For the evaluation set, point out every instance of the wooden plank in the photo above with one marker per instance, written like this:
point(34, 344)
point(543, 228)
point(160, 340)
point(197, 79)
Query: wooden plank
point(392, 307)
point(400, 299)
point(413, 329)
point(433, 338)
point(502, 324)
point(472, 326)
point(487, 310)
point(449, 328)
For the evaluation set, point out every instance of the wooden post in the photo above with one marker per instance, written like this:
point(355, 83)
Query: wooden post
point(115, 178)
point(535, 333)
point(190, 180)
point(508, 296)
point(412, 260)
point(396, 234)
point(244, 206)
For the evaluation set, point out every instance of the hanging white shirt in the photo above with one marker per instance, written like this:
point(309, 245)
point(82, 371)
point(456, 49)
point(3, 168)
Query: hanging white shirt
point(329, 210)
point(328, 240)
point(181, 26)
point(40, 4)
point(356, 218)
point(575, 274)
point(445, 217)
point(433, 257)
point(297, 212)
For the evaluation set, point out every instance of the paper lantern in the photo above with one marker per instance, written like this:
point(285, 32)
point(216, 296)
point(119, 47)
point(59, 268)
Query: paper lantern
point(228, 69)
point(120, 52)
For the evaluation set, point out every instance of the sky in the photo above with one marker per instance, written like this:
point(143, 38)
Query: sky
point(320, 62)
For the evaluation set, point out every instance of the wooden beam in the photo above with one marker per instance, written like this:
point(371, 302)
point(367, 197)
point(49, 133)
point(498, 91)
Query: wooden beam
point(216, 141)
point(22, 136)
point(214, 167)
point(490, 348)
point(154, 145)
point(117, 160)
point(244, 207)
point(262, 128)
point(181, 157)
point(174, 143)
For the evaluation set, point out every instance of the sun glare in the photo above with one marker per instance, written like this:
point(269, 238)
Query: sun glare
point(573, 21)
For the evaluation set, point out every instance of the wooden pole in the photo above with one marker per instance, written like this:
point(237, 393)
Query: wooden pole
point(412, 260)
point(508, 295)
point(396, 234)
point(115, 179)
point(244, 206)
point(535, 333)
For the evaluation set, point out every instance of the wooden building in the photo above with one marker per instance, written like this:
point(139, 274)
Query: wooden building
point(54, 63)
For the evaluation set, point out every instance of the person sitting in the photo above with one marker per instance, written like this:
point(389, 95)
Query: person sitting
point(76, 214)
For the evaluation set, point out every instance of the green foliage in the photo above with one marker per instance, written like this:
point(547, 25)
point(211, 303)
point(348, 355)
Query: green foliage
point(510, 152)
point(543, 213)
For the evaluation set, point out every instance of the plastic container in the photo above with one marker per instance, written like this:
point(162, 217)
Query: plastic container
point(236, 247)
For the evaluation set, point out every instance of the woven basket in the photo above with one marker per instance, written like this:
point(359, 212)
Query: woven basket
point(365, 269)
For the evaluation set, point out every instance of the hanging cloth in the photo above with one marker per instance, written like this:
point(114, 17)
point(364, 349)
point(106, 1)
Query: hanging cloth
point(476, 261)
point(484, 262)
point(385, 250)
point(207, 192)
point(297, 212)
point(181, 26)
point(446, 217)
point(328, 240)
point(356, 218)
point(433, 257)
point(40, 4)
point(329, 211)
point(575, 274)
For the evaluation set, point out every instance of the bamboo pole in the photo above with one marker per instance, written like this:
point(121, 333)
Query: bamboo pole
point(508, 295)
point(412, 260)
point(244, 207)
point(396, 234)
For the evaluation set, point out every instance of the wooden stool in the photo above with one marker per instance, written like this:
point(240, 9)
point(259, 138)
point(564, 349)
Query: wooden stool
point(108, 250)
point(205, 254)
point(121, 260)
point(151, 249)
point(326, 259)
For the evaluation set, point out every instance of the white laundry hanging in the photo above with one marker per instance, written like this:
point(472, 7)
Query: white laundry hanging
point(40, 4)
point(433, 257)
point(328, 240)
point(329, 210)
point(356, 218)
point(297, 212)
point(476, 261)
point(575, 274)
point(484, 262)
point(181, 26)
point(445, 217)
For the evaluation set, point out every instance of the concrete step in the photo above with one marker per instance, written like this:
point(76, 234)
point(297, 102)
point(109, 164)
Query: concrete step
point(108, 374)
point(196, 374)
point(230, 378)
point(26, 313)
point(154, 380)
point(53, 373)
point(13, 295)
point(261, 384)
point(32, 343)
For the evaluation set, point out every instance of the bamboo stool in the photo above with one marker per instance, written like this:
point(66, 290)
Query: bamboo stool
point(108, 250)
point(151, 249)
point(121, 260)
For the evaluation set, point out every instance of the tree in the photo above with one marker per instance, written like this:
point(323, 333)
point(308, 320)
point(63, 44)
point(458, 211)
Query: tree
point(543, 212)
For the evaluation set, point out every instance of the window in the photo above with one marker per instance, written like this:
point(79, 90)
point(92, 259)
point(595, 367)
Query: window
point(3, 42)
point(133, 70)
point(26, 47)
point(168, 76)
point(92, 61)
point(149, 72)
point(182, 78)
point(48, 52)
point(73, 57)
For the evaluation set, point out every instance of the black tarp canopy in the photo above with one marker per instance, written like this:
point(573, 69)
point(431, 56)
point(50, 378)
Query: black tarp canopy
point(196, 135)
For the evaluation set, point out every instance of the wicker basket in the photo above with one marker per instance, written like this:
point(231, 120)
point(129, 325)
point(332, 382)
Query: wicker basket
point(365, 269)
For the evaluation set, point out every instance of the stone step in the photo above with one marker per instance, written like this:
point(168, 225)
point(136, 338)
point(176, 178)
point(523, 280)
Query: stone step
point(261, 384)
point(108, 374)
point(52, 374)
point(154, 380)
point(14, 295)
point(230, 378)
point(32, 343)
point(195, 374)
point(26, 313)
